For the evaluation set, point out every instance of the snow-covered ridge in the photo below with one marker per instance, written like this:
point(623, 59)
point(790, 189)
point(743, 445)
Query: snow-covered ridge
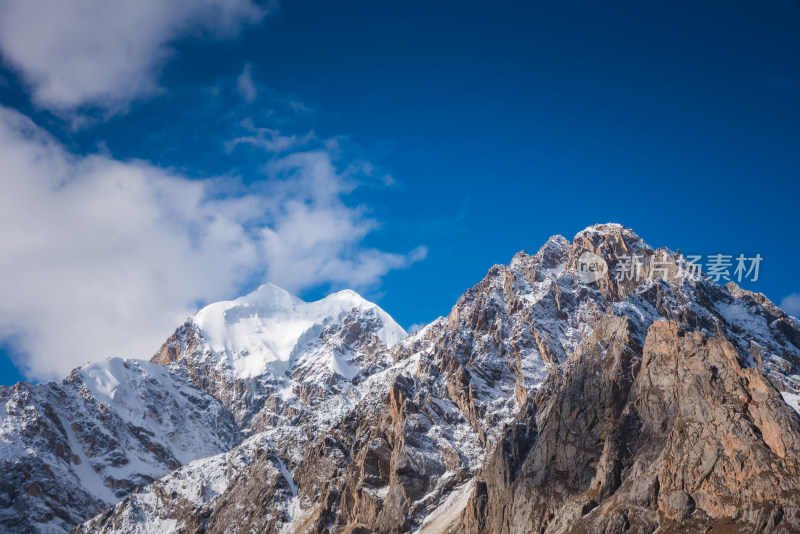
point(82, 444)
point(262, 331)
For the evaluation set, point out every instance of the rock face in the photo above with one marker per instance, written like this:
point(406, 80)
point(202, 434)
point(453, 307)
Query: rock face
point(544, 402)
point(676, 433)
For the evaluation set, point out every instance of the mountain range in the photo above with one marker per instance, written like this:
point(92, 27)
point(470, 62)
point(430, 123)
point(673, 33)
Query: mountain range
point(544, 401)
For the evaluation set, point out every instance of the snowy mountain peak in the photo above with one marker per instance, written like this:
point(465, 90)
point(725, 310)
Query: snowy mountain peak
point(611, 240)
point(260, 332)
point(267, 295)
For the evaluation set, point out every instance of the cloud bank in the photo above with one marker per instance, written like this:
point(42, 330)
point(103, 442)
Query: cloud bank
point(103, 257)
point(791, 304)
point(96, 53)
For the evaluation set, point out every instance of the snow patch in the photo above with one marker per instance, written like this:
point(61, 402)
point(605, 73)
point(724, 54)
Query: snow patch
point(792, 399)
point(448, 512)
point(261, 331)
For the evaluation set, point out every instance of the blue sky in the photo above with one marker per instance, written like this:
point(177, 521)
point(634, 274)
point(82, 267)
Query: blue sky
point(416, 144)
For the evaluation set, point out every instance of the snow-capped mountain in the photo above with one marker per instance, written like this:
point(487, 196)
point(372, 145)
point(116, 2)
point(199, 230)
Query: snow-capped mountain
point(270, 330)
point(73, 448)
point(270, 357)
point(542, 402)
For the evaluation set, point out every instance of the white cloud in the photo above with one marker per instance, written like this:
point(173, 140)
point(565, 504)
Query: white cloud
point(416, 327)
point(268, 139)
point(101, 257)
point(791, 304)
point(105, 54)
point(246, 86)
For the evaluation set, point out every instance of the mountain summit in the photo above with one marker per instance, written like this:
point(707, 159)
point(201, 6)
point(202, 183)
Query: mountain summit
point(641, 396)
point(262, 332)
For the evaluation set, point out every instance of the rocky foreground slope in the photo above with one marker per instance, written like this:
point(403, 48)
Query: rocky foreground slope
point(544, 402)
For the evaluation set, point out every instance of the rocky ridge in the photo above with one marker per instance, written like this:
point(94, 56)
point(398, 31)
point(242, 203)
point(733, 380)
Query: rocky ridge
point(541, 403)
